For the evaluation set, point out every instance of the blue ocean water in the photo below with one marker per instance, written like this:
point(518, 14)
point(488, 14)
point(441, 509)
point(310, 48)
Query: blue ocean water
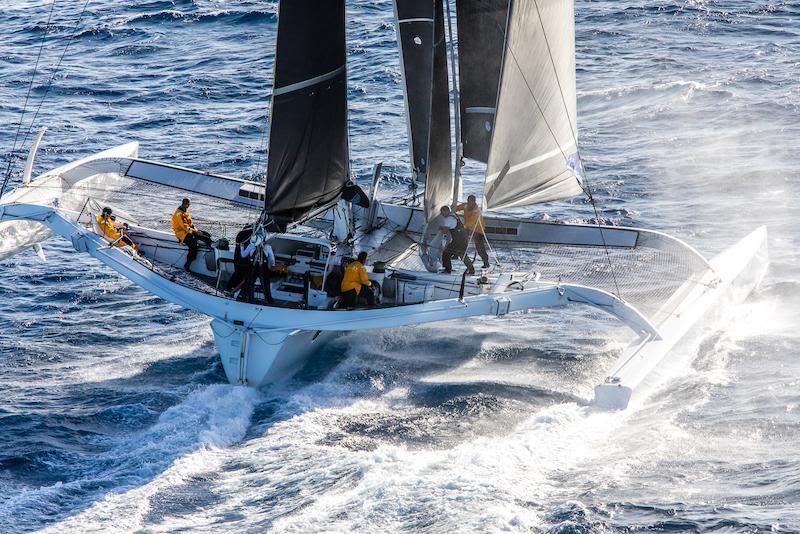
point(116, 415)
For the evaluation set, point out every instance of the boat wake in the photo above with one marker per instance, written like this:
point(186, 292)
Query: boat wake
point(112, 486)
point(370, 435)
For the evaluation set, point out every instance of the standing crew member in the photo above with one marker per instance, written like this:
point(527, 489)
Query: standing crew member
point(241, 265)
point(186, 232)
point(473, 222)
point(263, 261)
point(115, 232)
point(355, 283)
point(457, 248)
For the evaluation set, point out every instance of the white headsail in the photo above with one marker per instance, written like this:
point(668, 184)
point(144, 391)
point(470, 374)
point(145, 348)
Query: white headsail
point(534, 139)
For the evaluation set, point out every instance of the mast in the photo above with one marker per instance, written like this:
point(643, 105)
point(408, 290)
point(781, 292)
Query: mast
point(456, 109)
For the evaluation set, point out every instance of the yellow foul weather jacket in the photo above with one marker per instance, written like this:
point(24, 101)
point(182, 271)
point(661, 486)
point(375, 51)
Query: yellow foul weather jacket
point(108, 228)
point(111, 232)
point(473, 219)
point(355, 276)
point(181, 224)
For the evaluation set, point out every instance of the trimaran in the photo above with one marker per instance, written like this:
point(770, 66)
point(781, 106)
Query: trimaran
point(514, 110)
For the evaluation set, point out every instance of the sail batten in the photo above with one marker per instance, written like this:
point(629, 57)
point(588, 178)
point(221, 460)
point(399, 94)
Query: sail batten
point(308, 83)
point(308, 164)
point(534, 139)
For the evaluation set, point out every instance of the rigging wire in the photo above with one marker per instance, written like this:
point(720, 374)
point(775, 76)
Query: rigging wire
point(587, 189)
point(55, 71)
point(9, 167)
point(261, 157)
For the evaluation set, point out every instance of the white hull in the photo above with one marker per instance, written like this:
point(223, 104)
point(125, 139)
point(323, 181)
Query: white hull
point(261, 344)
point(257, 358)
point(737, 272)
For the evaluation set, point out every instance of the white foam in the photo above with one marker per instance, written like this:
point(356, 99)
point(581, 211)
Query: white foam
point(188, 439)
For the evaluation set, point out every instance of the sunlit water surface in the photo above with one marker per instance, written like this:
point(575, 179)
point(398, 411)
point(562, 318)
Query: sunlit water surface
point(116, 414)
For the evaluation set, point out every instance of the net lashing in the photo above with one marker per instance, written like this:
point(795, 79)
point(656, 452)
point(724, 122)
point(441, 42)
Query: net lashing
point(152, 206)
point(646, 277)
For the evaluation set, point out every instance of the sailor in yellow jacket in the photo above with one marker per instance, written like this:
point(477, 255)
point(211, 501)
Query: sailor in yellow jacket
point(355, 283)
point(473, 222)
point(186, 232)
point(113, 231)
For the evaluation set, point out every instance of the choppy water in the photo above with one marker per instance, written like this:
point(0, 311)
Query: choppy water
point(115, 414)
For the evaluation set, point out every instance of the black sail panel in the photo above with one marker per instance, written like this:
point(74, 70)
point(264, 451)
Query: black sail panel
point(308, 145)
point(481, 40)
point(439, 183)
point(423, 57)
point(414, 23)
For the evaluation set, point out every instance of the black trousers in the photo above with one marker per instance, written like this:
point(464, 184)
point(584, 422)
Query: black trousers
point(451, 252)
point(240, 272)
point(479, 240)
point(191, 240)
point(250, 276)
point(350, 298)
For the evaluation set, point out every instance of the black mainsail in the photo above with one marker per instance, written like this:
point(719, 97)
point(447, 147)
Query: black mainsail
point(481, 40)
point(423, 58)
point(308, 143)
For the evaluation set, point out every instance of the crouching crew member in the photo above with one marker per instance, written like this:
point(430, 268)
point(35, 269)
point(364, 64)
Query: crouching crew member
point(113, 231)
point(186, 232)
point(355, 283)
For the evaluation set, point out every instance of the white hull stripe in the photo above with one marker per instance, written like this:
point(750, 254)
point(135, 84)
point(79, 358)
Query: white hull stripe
point(307, 83)
point(415, 20)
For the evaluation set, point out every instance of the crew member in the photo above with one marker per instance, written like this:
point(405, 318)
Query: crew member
point(457, 248)
point(186, 232)
point(241, 265)
point(445, 222)
point(473, 222)
point(355, 283)
point(263, 261)
point(115, 232)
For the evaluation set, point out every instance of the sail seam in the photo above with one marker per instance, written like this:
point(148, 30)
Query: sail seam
point(535, 100)
point(554, 182)
point(308, 83)
point(533, 161)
